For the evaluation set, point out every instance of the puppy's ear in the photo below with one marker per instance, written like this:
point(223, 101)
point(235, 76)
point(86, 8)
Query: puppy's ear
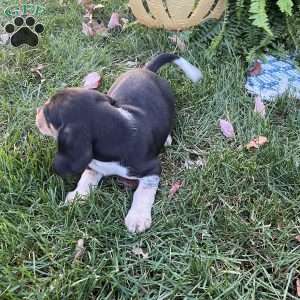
point(74, 150)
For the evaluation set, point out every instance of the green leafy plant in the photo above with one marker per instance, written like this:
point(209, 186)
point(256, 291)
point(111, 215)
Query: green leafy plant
point(250, 26)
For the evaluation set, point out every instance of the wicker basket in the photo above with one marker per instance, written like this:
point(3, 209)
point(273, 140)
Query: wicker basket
point(176, 14)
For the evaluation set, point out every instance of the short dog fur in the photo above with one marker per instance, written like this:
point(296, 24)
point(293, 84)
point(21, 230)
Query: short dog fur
point(118, 133)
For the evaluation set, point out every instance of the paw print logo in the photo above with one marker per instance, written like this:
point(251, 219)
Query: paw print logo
point(24, 31)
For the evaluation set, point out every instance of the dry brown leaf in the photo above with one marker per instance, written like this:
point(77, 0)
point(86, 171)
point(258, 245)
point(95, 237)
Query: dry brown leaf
point(298, 287)
point(178, 42)
point(227, 128)
point(256, 69)
point(194, 164)
point(114, 21)
point(131, 64)
point(175, 188)
point(125, 21)
point(84, 3)
point(87, 29)
point(139, 251)
point(257, 142)
point(37, 70)
point(79, 250)
point(99, 29)
point(259, 106)
point(93, 28)
point(98, 6)
point(87, 17)
point(91, 8)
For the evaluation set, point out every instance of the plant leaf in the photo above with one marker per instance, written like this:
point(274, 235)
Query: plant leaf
point(285, 6)
point(91, 80)
point(226, 128)
point(259, 15)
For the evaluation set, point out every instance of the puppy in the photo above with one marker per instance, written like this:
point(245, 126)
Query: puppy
point(118, 133)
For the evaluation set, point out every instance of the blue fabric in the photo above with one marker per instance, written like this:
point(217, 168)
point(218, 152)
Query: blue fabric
point(277, 77)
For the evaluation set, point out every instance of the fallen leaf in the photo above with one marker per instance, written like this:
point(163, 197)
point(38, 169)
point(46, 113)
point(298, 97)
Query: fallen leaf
point(257, 142)
point(79, 250)
point(178, 42)
point(139, 251)
point(297, 238)
point(175, 188)
point(226, 128)
point(259, 106)
point(131, 64)
point(125, 21)
point(89, 5)
point(4, 39)
point(99, 28)
point(93, 28)
point(193, 164)
point(114, 21)
point(256, 69)
point(37, 70)
point(91, 8)
point(91, 80)
point(87, 17)
point(84, 3)
point(298, 287)
point(98, 6)
point(87, 29)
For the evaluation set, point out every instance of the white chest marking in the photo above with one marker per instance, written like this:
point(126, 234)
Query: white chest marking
point(109, 168)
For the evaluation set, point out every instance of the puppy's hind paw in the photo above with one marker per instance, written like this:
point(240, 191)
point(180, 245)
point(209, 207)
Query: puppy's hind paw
point(137, 222)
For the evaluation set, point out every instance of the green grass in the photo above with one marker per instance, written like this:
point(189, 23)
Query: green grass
point(228, 234)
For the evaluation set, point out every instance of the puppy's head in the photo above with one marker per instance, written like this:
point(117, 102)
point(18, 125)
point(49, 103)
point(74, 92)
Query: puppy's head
point(67, 118)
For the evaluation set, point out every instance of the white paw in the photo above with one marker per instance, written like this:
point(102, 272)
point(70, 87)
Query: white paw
point(73, 196)
point(137, 222)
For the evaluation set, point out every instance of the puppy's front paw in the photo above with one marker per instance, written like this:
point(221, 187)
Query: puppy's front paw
point(73, 196)
point(137, 222)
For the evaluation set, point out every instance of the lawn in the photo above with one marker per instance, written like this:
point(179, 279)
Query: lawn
point(229, 232)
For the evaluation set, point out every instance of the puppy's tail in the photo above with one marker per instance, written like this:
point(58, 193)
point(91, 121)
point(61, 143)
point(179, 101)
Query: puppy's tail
point(190, 71)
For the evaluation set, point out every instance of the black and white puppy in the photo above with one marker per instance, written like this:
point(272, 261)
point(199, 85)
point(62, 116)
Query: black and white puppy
point(118, 133)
